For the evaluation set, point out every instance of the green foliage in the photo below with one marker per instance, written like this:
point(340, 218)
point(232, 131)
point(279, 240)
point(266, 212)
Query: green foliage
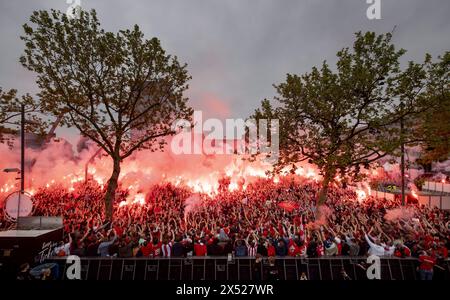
point(10, 112)
point(118, 89)
point(419, 182)
point(434, 124)
point(110, 84)
point(344, 118)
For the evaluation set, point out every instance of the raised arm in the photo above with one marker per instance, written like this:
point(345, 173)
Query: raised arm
point(369, 241)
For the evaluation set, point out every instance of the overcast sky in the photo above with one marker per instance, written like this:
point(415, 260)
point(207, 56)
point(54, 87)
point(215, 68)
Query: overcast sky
point(236, 49)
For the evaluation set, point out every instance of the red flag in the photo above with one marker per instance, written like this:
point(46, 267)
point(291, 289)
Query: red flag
point(288, 205)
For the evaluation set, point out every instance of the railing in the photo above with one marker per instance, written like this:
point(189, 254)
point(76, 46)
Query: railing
point(442, 187)
point(439, 201)
point(222, 268)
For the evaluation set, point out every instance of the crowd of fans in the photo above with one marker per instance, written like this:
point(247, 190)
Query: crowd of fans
point(264, 219)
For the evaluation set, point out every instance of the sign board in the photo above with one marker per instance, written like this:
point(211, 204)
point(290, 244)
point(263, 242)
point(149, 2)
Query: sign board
point(21, 202)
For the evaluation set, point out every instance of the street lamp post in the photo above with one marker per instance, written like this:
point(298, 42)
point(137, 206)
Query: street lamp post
point(402, 164)
point(402, 150)
point(22, 162)
point(22, 150)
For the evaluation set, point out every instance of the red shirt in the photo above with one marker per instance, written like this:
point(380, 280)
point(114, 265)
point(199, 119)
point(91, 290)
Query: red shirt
point(156, 249)
point(405, 253)
point(119, 231)
point(320, 250)
point(280, 229)
point(200, 249)
point(428, 241)
point(272, 231)
point(293, 249)
point(146, 250)
point(271, 250)
point(427, 262)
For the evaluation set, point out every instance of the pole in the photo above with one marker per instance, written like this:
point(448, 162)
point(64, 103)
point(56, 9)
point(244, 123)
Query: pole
point(22, 151)
point(403, 173)
point(402, 166)
point(22, 162)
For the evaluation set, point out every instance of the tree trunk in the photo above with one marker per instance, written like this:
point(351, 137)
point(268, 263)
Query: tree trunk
point(323, 193)
point(111, 190)
point(322, 197)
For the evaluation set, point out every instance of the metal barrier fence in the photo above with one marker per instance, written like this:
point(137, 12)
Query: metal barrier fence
point(221, 268)
point(439, 201)
point(443, 187)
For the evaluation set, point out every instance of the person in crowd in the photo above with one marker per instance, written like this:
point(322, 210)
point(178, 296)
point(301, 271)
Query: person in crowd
point(24, 272)
point(271, 251)
point(262, 247)
point(178, 247)
point(107, 241)
point(402, 251)
point(166, 247)
point(46, 274)
point(257, 268)
point(156, 247)
point(240, 248)
point(146, 248)
point(344, 275)
point(126, 248)
point(200, 248)
point(375, 247)
point(427, 263)
point(281, 249)
point(353, 246)
point(272, 270)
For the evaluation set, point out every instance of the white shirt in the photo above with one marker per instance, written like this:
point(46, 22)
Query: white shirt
point(389, 251)
point(167, 249)
point(65, 248)
point(374, 249)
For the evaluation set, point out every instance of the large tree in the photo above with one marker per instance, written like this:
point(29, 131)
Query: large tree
point(118, 89)
point(434, 124)
point(344, 118)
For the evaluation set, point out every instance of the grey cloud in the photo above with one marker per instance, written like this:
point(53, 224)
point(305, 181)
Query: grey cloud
point(236, 49)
